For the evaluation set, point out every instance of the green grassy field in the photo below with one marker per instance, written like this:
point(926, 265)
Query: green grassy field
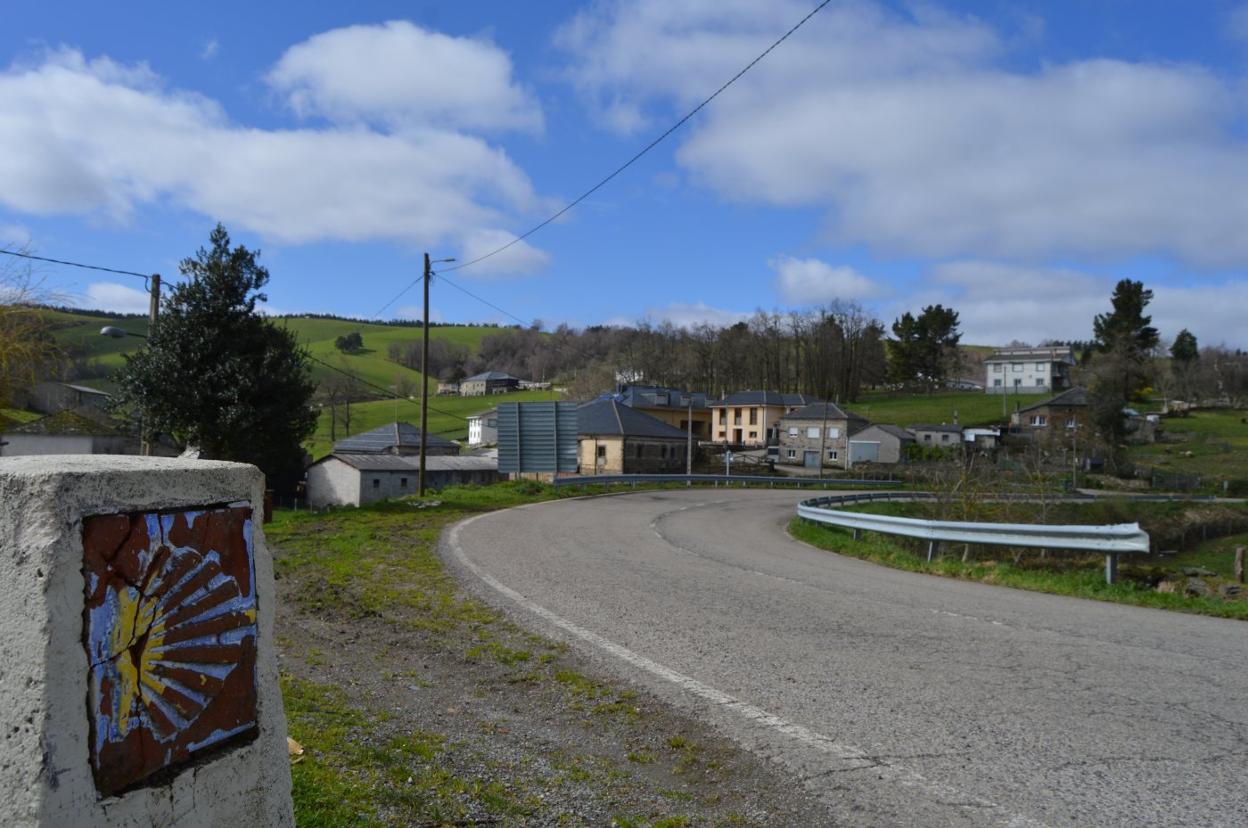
point(82, 332)
point(1216, 439)
point(447, 415)
point(973, 408)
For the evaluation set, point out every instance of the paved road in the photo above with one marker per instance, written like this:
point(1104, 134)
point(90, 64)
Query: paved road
point(899, 699)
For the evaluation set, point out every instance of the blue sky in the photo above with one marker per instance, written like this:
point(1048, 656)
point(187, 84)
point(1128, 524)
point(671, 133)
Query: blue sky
point(1010, 159)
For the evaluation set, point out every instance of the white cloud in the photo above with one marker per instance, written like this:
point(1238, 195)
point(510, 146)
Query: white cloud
point(210, 49)
point(684, 315)
point(118, 298)
point(13, 236)
point(95, 138)
point(520, 258)
point(998, 302)
point(813, 282)
point(917, 139)
point(399, 74)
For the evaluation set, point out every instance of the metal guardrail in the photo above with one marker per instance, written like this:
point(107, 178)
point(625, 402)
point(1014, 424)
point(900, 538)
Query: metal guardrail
point(1111, 540)
point(717, 479)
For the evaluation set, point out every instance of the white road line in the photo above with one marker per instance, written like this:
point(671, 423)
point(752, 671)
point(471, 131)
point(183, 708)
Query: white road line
point(804, 735)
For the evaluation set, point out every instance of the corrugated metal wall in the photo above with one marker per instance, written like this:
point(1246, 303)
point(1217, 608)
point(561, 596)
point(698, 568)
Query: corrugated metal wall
point(537, 437)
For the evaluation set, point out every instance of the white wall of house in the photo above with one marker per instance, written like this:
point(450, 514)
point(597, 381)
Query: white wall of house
point(333, 483)
point(483, 431)
point(1018, 376)
point(27, 444)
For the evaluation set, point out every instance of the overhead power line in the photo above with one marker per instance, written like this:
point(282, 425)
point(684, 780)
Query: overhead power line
point(388, 392)
point(636, 157)
point(143, 276)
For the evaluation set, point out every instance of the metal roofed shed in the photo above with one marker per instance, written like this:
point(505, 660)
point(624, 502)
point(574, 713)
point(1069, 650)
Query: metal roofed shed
point(394, 438)
point(358, 479)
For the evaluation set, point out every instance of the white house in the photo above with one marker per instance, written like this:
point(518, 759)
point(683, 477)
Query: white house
point(357, 479)
point(483, 429)
point(1028, 370)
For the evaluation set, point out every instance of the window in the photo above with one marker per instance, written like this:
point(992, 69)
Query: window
point(792, 454)
point(1071, 422)
point(663, 452)
point(602, 452)
point(812, 432)
point(639, 451)
point(753, 416)
point(492, 423)
point(402, 482)
point(1016, 367)
point(996, 383)
point(1039, 420)
point(996, 368)
point(723, 417)
point(792, 431)
point(1042, 367)
point(1018, 382)
point(832, 454)
point(927, 438)
point(754, 435)
point(944, 438)
point(833, 432)
point(376, 483)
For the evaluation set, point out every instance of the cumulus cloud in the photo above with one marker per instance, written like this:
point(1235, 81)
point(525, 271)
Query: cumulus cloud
point(399, 74)
point(999, 301)
point(210, 49)
point(118, 298)
point(916, 136)
point(813, 282)
point(96, 138)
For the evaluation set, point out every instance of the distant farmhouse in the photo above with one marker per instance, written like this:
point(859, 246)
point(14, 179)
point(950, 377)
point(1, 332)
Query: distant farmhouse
point(616, 439)
point(51, 397)
point(750, 418)
point(943, 436)
point(73, 432)
point(490, 382)
point(1028, 370)
point(671, 405)
point(818, 427)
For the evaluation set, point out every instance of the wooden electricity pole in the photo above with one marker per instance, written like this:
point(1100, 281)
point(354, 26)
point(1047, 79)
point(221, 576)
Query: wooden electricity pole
point(424, 386)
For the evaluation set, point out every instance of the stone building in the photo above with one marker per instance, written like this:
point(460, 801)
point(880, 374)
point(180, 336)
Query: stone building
point(616, 439)
point(803, 435)
point(358, 479)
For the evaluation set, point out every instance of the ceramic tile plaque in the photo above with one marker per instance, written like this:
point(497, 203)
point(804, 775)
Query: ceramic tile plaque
point(170, 633)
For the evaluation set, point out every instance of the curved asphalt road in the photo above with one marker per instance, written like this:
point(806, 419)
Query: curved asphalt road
point(899, 699)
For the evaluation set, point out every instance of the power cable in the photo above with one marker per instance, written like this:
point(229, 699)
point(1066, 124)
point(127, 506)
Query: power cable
point(623, 166)
point(389, 392)
point(143, 276)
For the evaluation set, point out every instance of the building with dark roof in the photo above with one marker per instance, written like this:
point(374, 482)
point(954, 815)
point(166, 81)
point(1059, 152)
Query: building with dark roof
point(617, 439)
point(488, 382)
point(394, 438)
point(357, 479)
point(1055, 417)
point(674, 406)
point(749, 418)
point(814, 428)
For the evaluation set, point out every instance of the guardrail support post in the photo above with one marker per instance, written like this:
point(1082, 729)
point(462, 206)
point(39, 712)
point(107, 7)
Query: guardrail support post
point(1111, 568)
point(932, 547)
point(857, 534)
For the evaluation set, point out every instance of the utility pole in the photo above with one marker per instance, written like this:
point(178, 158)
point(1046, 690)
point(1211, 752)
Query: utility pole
point(424, 380)
point(424, 385)
point(153, 311)
point(689, 442)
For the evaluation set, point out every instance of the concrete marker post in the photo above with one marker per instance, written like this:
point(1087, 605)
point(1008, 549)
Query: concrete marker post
point(138, 677)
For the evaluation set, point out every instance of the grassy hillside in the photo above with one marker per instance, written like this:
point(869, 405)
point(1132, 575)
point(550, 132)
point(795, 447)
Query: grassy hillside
point(973, 408)
point(82, 332)
point(447, 416)
point(1213, 443)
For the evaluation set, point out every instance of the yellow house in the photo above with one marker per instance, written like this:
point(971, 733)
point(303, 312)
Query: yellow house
point(751, 418)
point(616, 439)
